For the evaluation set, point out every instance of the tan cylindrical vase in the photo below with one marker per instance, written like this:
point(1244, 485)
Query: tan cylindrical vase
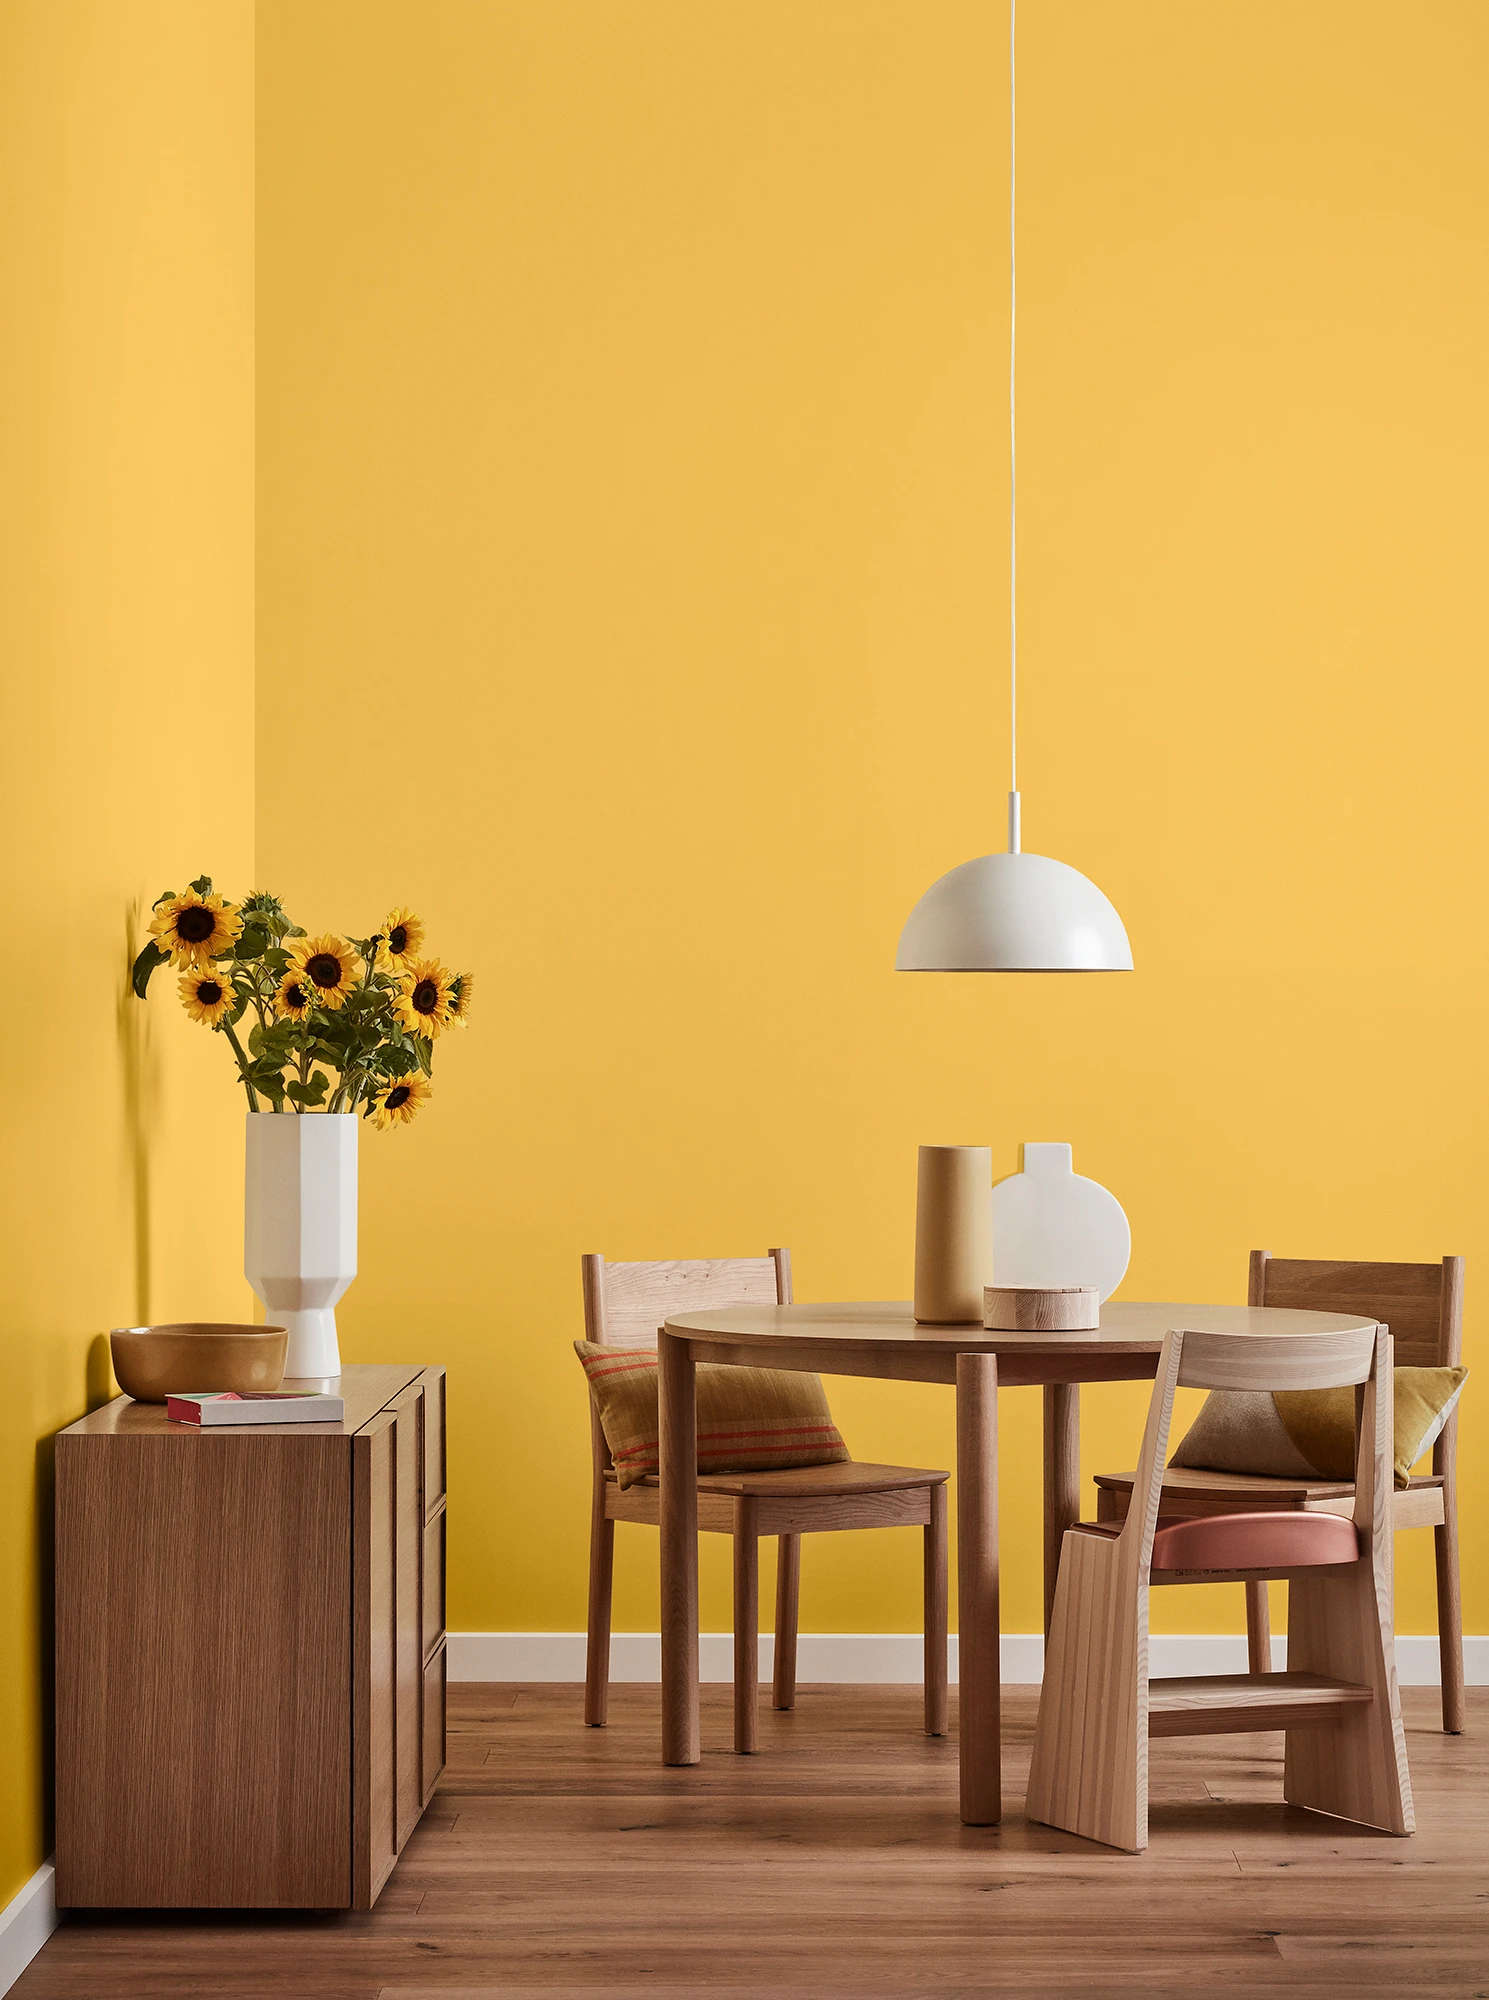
point(953, 1234)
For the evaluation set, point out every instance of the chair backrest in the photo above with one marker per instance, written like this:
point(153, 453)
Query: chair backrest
point(1261, 1362)
point(1422, 1304)
point(625, 1304)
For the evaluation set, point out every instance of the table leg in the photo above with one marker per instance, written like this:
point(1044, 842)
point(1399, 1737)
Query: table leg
point(1062, 1478)
point(678, 1475)
point(979, 1690)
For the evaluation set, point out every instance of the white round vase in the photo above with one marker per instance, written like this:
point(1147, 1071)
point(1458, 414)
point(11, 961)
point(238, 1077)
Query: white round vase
point(300, 1227)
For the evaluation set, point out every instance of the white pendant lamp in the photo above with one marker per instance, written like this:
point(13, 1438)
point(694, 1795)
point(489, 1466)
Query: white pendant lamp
point(1013, 912)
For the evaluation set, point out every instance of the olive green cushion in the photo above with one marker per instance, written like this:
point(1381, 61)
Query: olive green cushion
point(1310, 1433)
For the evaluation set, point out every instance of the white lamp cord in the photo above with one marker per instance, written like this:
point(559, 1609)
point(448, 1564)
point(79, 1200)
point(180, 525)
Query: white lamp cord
point(1013, 480)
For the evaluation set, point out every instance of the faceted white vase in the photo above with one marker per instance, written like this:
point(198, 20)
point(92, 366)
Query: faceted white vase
point(300, 1227)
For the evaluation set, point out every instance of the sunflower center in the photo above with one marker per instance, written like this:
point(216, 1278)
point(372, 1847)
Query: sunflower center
point(426, 997)
point(398, 940)
point(209, 993)
point(296, 996)
point(399, 1094)
point(323, 969)
point(195, 924)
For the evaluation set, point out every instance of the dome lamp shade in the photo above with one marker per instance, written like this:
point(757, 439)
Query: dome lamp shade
point(1013, 913)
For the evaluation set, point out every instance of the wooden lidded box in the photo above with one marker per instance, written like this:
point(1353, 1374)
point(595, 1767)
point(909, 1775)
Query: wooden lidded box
point(250, 1650)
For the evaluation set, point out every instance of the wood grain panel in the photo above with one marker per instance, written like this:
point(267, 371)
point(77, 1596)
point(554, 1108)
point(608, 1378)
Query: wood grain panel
point(1407, 1298)
point(557, 1863)
point(434, 1583)
point(432, 1752)
point(909, 1509)
point(637, 1298)
point(364, 1390)
point(203, 1668)
point(374, 1659)
point(408, 1415)
point(1212, 1704)
point(434, 1438)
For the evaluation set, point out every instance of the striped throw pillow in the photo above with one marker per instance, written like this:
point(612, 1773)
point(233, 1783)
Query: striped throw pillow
point(749, 1419)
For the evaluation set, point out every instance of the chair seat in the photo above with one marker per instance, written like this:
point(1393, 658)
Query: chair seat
point(1290, 1540)
point(1192, 1490)
point(820, 1481)
point(1233, 1489)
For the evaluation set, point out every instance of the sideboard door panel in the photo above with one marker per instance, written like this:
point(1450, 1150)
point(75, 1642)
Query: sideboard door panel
point(375, 1657)
point(203, 1663)
point(408, 1414)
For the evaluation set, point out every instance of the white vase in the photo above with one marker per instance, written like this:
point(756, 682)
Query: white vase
point(300, 1227)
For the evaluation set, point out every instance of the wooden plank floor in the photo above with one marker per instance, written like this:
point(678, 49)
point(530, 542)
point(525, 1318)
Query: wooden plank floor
point(561, 1862)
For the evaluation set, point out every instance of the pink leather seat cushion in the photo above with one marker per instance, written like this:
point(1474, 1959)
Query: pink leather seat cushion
point(1255, 1541)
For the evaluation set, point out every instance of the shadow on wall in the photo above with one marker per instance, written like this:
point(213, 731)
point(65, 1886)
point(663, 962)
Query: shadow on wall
point(46, 1459)
point(140, 1074)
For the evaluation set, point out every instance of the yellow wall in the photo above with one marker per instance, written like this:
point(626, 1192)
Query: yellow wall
point(126, 631)
point(632, 504)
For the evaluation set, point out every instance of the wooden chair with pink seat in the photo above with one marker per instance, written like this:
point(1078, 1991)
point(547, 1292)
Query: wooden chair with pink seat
point(1338, 1702)
point(624, 1305)
point(1422, 1306)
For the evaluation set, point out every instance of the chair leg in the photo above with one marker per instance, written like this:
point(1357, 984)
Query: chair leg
point(1258, 1629)
point(597, 1646)
point(746, 1624)
point(1089, 1772)
point(1339, 1625)
point(788, 1590)
point(936, 1614)
point(1450, 1613)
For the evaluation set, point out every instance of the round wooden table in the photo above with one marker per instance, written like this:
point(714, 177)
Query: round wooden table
point(884, 1341)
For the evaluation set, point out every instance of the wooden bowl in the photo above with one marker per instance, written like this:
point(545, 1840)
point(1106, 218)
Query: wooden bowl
point(153, 1362)
point(1027, 1309)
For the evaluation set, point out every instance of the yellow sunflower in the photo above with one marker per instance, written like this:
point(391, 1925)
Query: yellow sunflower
point(328, 965)
point(206, 995)
point(423, 1003)
point(402, 941)
point(295, 997)
point(460, 998)
point(397, 1103)
point(193, 929)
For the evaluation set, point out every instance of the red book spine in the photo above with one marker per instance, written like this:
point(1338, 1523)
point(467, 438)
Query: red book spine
point(185, 1410)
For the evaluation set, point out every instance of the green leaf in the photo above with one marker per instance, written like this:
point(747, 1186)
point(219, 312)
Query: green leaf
point(308, 1093)
point(202, 885)
point(426, 1055)
point(151, 957)
point(252, 944)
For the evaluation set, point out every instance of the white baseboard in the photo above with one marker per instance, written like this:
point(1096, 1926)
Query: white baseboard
point(883, 1657)
point(26, 1922)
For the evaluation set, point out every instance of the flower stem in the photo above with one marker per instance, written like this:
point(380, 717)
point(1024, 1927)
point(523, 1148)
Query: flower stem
point(253, 1103)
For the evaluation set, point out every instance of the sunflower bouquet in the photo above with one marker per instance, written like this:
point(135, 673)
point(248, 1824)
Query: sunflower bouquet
point(336, 1023)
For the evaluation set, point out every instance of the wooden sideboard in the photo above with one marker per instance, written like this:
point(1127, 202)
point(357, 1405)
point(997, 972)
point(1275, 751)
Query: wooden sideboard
point(250, 1650)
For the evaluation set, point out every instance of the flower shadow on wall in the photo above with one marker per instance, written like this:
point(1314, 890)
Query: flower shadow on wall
point(140, 1078)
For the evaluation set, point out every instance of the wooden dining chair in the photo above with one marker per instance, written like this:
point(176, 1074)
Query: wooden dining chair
point(1422, 1305)
point(1338, 1701)
point(624, 1306)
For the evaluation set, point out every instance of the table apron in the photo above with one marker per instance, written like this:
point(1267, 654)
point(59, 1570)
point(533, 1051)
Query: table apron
point(935, 1365)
